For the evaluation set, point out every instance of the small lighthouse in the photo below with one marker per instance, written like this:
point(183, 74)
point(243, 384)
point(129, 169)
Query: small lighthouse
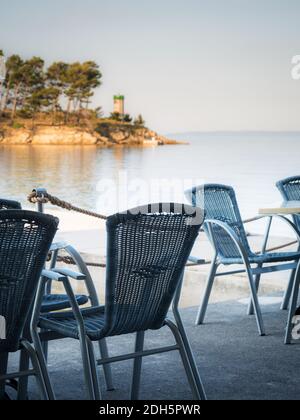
point(119, 104)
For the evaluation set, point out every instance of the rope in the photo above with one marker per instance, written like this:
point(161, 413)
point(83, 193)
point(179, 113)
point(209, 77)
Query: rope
point(55, 201)
point(70, 261)
point(253, 219)
point(45, 198)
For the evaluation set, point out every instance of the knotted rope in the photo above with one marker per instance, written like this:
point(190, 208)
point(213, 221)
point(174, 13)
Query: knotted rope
point(70, 261)
point(45, 198)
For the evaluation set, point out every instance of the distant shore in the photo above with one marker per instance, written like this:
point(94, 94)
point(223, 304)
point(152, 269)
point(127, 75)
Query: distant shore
point(105, 133)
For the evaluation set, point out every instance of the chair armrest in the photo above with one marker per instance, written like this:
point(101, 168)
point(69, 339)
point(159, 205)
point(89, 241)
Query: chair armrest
point(56, 246)
point(69, 273)
point(75, 307)
point(39, 297)
point(196, 260)
point(56, 276)
point(52, 275)
point(233, 236)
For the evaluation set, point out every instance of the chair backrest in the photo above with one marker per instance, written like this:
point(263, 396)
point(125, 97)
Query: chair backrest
point(290, 191)
point(9, 204)
point(147, 251)
point(219, 203)
point(25, 239)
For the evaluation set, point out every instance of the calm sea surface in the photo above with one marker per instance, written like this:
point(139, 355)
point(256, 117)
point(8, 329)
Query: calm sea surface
point(251, 162)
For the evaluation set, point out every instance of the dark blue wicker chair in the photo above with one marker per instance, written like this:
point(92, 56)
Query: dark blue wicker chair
point(147, 251)
point(290, 191)
point(25, 239)
point(57, 302)
point(51, 302)
point(226, 232)
point(9, 204)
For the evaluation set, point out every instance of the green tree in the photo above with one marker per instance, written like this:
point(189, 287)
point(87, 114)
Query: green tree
point(139, 121)
point(116, 116)
point(30, 84)
point(2, 74)
point(81, 81)
point(13, 79)
point(127, 118)
point(29, 89)
point(57, 84)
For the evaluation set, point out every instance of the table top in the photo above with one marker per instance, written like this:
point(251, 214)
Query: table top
point(287, 207)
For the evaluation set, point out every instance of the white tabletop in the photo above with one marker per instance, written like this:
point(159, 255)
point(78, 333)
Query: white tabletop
point(287, 207)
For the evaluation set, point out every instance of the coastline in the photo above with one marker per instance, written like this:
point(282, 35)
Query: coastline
point(106, 134)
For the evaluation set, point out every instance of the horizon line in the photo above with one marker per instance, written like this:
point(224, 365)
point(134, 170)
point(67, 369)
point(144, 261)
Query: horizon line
point(232, 132)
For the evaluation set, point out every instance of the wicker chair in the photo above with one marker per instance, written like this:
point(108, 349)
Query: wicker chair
point(9, 204)
point(25, 239)
point(57, 302)
point(226, 232)
point(290, 191)
point(51, 302)
point(147, 251)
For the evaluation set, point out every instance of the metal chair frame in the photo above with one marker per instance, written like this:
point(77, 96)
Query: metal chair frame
point(89, 284)
point(87, 350)
point(28, 352)
point(253, 271)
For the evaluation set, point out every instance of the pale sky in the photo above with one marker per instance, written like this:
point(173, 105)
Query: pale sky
point(186, 65)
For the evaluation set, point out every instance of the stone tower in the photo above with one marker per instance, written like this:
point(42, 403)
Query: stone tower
point(119, 104)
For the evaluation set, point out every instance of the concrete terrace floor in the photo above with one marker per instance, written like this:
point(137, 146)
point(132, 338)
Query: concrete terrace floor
point(234, 362)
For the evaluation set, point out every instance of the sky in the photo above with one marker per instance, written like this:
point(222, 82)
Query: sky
point(185, 65)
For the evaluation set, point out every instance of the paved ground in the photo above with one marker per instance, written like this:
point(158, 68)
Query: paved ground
point(235, 363)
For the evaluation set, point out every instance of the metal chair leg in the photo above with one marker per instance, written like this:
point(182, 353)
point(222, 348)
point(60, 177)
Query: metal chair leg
point(197, 393)
point(23, 381)
point(257, 283)
point(93, 366)
point(106, 368)
point(41, 357)
point(137, 366)
point(3, 370)
point(189, 352)
point(208, 289)
point(45, 347)
point(288, 292)
point(257, 310)
point(39, 374)
point(258, 277)
point(293, 307)
point(88, 374)
point(95, 302)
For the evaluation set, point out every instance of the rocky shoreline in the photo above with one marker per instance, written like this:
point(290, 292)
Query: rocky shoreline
point(106, 135)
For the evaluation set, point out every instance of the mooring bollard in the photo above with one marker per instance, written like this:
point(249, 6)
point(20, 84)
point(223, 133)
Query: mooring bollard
point(40, 192)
